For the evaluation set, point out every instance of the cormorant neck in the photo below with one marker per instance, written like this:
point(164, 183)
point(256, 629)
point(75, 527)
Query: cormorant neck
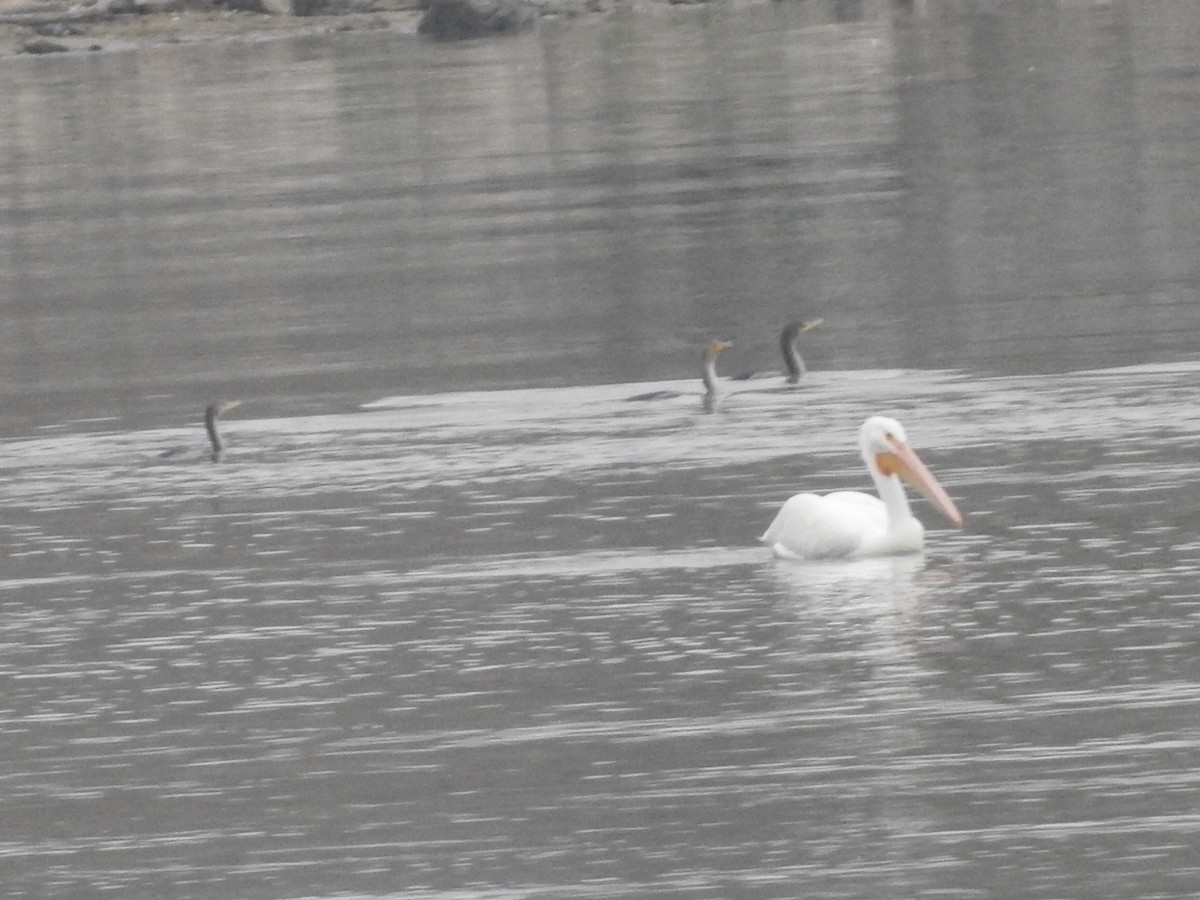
point(708, 373)
point(210, 425)
point(788, 342)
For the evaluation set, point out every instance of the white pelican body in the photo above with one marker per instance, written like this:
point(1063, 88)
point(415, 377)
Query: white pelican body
point(849, 523)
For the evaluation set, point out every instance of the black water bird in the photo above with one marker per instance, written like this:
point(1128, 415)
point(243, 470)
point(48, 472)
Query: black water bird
point(708, 374)
point(793, 362)
point(211, 413)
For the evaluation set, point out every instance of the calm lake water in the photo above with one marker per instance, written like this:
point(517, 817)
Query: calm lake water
point(453, 618)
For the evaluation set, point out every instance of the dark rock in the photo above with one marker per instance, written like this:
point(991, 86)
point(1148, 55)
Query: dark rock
point(309, 7)
point(208, 6)
point(251, 6)
point(43, 45)
point(141, 7)
point(335, 7)
point(57, 29)
point(456, 20)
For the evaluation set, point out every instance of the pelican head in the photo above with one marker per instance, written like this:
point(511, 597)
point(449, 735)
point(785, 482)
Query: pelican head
point(888, 457)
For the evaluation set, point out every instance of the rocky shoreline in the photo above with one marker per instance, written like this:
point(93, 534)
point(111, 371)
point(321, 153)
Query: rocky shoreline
point(65, 26)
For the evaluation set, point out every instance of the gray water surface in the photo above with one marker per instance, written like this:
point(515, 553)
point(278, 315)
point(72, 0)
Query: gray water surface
point(453, 618)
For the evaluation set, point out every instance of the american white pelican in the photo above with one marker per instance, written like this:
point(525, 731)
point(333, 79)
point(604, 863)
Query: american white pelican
point(708, 374)
point(849, 523)
point(789, 346)
point(211, 412)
